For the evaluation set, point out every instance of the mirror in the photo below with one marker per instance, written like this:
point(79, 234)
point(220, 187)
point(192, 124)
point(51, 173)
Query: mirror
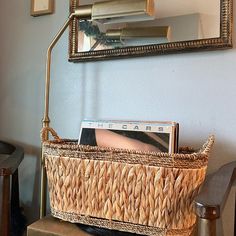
point(174, 26)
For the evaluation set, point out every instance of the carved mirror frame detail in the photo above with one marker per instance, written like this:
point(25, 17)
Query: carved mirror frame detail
point(222, 42)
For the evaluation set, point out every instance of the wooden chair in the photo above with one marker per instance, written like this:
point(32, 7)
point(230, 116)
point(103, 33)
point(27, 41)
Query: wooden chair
point(10, 158)
point(209, 206)
point(212, 198)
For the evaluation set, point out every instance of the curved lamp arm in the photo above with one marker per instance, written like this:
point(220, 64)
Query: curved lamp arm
point(210, 202)
point(83, 13)
point(46, 119)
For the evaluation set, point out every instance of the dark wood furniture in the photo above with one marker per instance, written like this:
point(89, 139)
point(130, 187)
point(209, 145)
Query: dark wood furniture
point(211, 200)
point(10, 158)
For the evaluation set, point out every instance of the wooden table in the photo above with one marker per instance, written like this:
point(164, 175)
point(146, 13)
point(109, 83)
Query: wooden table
point(50, 226)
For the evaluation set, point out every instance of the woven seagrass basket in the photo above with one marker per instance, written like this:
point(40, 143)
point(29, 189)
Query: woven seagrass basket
point(140, 192)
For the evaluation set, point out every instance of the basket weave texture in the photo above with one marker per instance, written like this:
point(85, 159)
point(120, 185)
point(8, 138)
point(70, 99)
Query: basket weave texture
point(140, 192)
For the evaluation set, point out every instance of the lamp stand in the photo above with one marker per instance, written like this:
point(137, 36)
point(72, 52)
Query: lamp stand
point(46, 119)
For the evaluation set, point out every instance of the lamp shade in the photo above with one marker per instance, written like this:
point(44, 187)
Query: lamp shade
point(118, 11)
point(140, 35)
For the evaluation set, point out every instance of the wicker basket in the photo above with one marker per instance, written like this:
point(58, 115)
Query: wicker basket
point(138, 192)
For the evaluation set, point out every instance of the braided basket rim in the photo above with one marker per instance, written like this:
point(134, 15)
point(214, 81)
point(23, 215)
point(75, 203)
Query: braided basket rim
point(66, 148)
point(185, 152)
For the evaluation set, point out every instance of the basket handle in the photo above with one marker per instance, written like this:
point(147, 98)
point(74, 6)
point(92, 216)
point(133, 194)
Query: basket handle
point(44, 134)
point(208, 145)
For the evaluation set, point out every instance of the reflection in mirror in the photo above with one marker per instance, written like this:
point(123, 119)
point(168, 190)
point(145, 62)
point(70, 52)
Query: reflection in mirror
point(168, 21)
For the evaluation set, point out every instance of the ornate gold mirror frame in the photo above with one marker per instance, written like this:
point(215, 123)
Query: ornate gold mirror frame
point(222, 42)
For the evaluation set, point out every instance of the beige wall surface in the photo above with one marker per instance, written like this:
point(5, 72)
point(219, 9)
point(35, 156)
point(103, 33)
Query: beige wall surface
point(196, 89)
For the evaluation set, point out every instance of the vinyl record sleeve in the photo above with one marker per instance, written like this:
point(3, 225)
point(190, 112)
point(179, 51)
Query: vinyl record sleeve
point(139, 135)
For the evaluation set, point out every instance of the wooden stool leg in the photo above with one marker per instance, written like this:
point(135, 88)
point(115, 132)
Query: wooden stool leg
point(5, 205)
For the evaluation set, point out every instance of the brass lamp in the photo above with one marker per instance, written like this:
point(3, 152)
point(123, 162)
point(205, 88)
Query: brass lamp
point(120, 10)
point(146, 35)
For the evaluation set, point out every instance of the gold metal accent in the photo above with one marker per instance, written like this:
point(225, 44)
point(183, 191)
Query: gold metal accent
point(207, 227)
point(46, 119)
point(123, 10)
point(139, 32)
point(84, 12)
point(114, 34)
point(43, 190)
point(222, 42)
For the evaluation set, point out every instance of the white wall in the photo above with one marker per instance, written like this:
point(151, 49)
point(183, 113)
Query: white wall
point(196, 89)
